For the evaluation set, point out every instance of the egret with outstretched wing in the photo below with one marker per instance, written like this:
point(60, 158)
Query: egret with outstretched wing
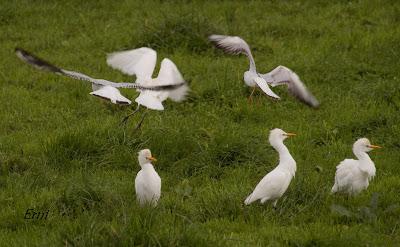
point(279, 76)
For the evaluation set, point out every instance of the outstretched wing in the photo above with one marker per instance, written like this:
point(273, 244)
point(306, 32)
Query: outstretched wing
point(264, 86)
point(112, 94)
point(170, 75)
point(233, 45)
point(140, 62)
point(46, 66)
point(282, 75)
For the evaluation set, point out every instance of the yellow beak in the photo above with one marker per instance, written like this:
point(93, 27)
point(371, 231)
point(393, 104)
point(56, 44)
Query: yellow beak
point(152, 158)
point(290, 134)
point(374, 146)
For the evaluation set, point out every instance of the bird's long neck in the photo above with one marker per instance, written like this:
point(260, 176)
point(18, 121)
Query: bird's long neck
point(285, 158)
point(252, 67)
point(362, 156)
point(147, 167)
point(365, 162)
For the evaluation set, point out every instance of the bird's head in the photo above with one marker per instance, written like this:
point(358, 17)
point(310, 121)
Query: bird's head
point(277, 135)
point(145, 157)
point(363, 145)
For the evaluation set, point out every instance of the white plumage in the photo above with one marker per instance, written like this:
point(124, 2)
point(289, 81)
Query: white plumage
point(112, 94)
point(279, 76)
point(147, 182)
point(141, 62)
point(273, 185)
point(353, 176)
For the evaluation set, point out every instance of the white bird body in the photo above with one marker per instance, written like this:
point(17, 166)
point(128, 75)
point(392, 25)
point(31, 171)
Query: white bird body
point(353, 176)
point(147, 181)
point(273, 185)
point(141, 62)
point(278, 76)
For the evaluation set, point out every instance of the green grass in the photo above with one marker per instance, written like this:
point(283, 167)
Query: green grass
point(64, 150)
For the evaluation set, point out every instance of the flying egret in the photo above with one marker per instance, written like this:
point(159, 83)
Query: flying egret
point(141, 62)
point(353, 176)
point(101, 88)
point(278, 76)
point(275, 183)
point(147, 181)
point(168, 84)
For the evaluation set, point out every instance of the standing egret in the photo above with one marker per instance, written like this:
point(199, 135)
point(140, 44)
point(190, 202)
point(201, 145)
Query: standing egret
point(147, 182)
point(353, 176)
point(278, 76)
point(275, 183)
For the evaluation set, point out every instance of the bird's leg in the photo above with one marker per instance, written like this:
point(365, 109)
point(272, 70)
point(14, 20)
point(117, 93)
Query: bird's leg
point(141, 121)
point(250, 99)
point(274, 204)
point(124, 121)
point(258, 98)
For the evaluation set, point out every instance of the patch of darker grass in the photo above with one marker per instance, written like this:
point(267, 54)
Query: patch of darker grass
point(172, 32)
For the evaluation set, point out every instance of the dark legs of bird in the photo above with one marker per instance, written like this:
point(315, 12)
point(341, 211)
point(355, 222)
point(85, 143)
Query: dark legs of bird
point(250, 99)
point(141, 121)
point(124, 121)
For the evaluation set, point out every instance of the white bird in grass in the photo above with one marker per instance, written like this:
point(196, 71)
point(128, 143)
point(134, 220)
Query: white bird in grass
point(278, 76)
point(353, 176)
point(273, 185)
point(147, 182)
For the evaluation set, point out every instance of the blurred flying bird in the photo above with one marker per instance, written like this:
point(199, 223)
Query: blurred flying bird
point(278, 76)
point(147, 181)
point(140, 62)
point(353, 176)
point(275, 183)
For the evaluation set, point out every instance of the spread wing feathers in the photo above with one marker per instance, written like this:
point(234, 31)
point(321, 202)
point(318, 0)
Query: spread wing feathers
point(230, 44)
point(46, 66)
point(149, 100)
point(344, 174)
point(233, 45)
point(170, 75)
point(265, 88)
point(112, 94)
point(270, 186)
point(140, 62)
point(282, 75)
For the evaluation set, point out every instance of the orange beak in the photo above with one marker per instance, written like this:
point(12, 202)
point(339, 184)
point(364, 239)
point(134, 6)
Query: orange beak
point(374, 146)
point(290, 134)
point(152, 158)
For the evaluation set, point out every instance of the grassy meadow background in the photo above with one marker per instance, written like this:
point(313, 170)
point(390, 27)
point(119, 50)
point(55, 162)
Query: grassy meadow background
point(65, 151)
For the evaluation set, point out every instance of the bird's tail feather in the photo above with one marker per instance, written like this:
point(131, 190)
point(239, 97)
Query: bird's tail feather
point(249, 199)
point(179, 94)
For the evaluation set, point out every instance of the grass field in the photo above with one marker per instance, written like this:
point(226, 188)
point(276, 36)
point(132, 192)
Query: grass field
point(64, 150)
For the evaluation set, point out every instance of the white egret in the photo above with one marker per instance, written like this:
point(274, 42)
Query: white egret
point(278, 76)
point(275, 183)
point(141, 62)
point(102, 88)
point(353, 176)
point(147, 182)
